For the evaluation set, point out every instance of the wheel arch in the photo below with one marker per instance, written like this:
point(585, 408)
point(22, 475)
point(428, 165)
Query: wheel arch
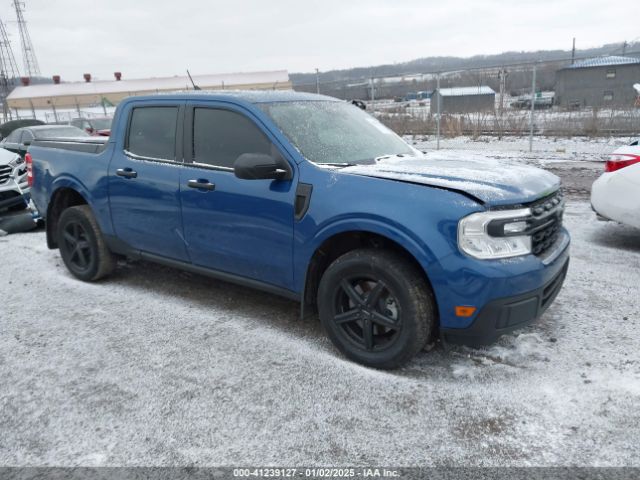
point(339, 242)
point(63, 197)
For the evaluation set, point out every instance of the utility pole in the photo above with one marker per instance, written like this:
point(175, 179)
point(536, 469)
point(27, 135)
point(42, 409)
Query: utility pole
point(533, 106)
point(503, 83)
point(373, 93)
point(438, 112)
point(624, 48)
point(573, 51)
point(29, 56)
point(503, 86)
point(8, 71)
point(317, 81)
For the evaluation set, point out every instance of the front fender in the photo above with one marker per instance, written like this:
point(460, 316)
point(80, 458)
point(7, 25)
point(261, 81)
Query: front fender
point(387, 228)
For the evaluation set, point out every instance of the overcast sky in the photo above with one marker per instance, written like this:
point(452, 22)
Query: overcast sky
point(145, 38)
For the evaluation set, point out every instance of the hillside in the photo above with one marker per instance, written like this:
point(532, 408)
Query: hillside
point(443, 64)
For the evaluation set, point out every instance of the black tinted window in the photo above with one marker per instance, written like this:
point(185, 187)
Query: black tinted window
point(152, 132)
point(221, 136)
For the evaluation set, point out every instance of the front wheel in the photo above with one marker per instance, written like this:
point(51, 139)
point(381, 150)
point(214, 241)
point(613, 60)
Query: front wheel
point(376, 307)
point(82, 245)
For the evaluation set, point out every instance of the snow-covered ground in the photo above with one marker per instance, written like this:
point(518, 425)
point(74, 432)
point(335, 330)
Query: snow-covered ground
point(157, 367)
point(544, 148)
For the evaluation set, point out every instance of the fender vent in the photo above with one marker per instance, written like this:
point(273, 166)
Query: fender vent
point(303, 199)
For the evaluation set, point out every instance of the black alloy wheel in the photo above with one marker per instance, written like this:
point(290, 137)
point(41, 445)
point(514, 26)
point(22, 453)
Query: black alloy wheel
point(377, 307)
point(76, 246)
point(367, 313)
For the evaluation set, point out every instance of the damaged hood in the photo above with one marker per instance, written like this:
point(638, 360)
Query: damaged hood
point(492, 182)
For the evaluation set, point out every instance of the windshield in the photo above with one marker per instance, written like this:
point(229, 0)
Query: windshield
point(335, 132)
point(60, 132)
point(101, 123)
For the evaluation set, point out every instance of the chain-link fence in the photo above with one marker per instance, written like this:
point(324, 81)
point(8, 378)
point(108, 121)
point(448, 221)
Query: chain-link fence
point(519, 114)
point(528, 107)
point(523, 108)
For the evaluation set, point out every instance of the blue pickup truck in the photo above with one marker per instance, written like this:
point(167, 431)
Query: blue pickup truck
point(311, 198)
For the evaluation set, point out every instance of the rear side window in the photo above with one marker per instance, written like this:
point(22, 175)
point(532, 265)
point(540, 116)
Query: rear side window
point(221, 136)
point(27, 136)
point(152, 132)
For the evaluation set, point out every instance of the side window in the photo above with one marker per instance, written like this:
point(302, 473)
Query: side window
point(152, 132)
point(27, 136)
point(221, 136)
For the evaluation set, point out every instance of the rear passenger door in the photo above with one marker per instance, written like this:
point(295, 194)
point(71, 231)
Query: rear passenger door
point(143, 179)
point(242, 227)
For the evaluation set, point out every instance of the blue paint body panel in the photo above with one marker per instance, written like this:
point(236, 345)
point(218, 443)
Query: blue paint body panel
point(247, 227)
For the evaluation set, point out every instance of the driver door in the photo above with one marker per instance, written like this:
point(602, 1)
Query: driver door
point(241, 227)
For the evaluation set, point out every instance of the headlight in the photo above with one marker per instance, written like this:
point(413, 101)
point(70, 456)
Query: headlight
point(494, 234)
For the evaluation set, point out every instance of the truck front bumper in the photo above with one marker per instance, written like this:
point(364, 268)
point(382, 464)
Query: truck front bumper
point(507, 294)
point(507, 314)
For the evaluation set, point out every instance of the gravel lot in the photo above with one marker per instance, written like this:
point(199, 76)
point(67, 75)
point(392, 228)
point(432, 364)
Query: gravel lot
point(158, 367)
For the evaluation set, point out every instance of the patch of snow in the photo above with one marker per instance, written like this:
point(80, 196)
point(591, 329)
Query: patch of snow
point(155, 367)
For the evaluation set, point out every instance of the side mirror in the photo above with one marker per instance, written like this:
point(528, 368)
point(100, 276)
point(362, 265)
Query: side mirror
point(260, 166)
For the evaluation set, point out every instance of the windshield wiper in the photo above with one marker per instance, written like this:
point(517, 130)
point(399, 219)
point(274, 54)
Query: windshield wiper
point(384, 157)
point(337, 164)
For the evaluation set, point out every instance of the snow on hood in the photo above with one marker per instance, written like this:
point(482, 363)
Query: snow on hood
point(491, 181)
point(6, 156)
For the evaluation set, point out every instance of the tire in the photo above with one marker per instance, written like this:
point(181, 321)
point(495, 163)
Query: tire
point(82, 245)
point(376, 307)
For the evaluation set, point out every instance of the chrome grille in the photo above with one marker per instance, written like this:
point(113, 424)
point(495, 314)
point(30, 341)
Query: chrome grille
point(5, 173)
point(546, 222)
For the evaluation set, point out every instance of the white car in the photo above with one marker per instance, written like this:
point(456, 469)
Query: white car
point(616, 194)
point(13, 181)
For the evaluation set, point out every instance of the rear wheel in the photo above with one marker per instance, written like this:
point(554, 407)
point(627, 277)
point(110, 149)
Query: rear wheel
point(82, 245)
point(377, 307)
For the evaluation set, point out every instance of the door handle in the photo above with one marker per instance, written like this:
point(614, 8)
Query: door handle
point(126, 172)
point(201, 184)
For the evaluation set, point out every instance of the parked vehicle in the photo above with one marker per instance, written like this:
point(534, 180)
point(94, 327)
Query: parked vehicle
point(616, 194)
point(11, 125)
point(14, 189)
point(540, 103)
point(311, 198)
point(19, 140)
point(94, 126)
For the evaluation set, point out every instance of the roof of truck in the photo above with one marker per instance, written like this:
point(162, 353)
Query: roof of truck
point(251, 96)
